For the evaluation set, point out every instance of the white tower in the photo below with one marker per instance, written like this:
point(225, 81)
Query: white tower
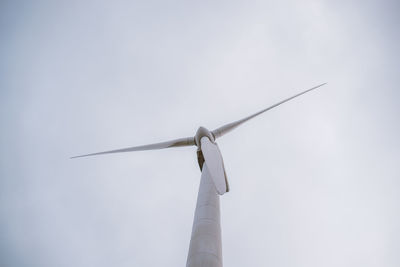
point(205, 248)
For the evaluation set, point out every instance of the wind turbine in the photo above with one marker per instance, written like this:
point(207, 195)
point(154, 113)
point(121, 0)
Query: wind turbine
point(205, 249)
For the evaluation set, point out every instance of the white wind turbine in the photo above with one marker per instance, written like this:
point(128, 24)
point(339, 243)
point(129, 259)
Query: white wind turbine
point(205, 249)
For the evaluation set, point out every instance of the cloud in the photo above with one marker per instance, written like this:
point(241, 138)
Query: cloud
point(312, 183)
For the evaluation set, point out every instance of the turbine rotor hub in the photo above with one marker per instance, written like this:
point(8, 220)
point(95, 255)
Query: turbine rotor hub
point(201, 132)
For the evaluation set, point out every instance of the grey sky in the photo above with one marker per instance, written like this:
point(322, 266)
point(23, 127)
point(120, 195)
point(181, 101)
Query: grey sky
point(314, 182)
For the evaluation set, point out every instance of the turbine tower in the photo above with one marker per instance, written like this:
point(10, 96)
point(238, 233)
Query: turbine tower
point(205, 249)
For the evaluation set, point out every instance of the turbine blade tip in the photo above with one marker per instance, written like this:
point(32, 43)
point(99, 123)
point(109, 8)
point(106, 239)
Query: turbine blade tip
point(80, 156)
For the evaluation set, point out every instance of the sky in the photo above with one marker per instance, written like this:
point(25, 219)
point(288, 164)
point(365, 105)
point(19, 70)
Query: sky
point(314, 182)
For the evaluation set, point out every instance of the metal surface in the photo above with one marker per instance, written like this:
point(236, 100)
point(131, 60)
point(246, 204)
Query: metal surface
point(205, 248)
point(230, 126)
point(213, 158)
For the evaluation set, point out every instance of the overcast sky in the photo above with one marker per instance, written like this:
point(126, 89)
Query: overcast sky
point(315, 182)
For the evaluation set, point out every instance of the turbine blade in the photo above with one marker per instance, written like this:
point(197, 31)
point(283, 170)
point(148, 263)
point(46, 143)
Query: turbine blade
point(188, 141)
point(215, 165)
point(230, 126)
